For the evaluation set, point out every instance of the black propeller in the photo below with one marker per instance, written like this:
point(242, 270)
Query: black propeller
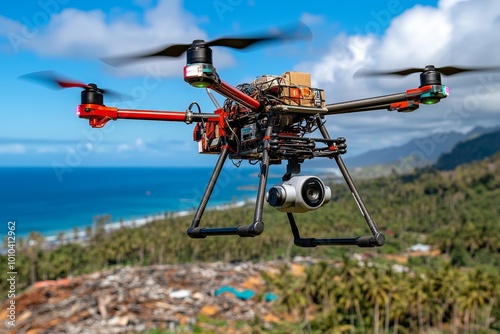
point(57, 81)
point(446, 70)
point(296, 32)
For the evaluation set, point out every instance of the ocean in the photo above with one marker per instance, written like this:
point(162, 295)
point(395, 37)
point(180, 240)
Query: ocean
point(46, 201)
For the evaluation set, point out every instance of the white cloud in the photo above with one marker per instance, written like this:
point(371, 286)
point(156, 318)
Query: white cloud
point(12, 149)
point(143, 3)
point(7, 25)
point(445, 4)
point(138, 152)
point(47, 150)
point(346, 55)
point(419, 36)
point(457, 32)
point(92, 34)
point(78, 33)
point(311, 19)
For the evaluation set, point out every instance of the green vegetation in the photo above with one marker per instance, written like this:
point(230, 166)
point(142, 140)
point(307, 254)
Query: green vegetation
point(377, 299)
point(456, 211)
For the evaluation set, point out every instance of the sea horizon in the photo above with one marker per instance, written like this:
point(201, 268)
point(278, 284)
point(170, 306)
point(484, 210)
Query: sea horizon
point(48, 201)
point(38, 199)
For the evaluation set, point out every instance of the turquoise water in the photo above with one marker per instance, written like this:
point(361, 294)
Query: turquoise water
point(40, 200)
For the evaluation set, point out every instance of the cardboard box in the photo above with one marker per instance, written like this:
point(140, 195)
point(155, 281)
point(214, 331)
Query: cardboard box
point(297, 79)
point(303, 96)
point(291, 95)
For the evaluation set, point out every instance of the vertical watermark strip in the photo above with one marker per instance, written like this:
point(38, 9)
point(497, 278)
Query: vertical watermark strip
point(11, 273)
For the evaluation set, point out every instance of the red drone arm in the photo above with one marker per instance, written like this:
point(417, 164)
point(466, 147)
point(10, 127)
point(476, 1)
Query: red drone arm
point(98, 115)
point(235, 94)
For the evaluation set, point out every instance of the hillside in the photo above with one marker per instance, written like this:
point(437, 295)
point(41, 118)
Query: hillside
point(137, 299)
point(416, 153)
point(394, 154)
point(455, 212)
point(428, 149)
point(470, 150)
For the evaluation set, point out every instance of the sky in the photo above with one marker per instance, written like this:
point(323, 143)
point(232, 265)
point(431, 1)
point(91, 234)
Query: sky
point(40, 128)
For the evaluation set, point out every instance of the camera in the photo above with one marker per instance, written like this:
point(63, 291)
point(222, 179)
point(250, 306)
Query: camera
point(299, 194)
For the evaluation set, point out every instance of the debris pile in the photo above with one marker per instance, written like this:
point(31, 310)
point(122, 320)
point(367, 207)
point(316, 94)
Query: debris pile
point(137, 299)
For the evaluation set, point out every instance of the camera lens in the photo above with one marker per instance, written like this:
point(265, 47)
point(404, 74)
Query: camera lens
point(313, 192)
point(276, 196)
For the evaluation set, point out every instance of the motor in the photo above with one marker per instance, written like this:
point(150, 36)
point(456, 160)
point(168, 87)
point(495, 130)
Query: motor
point(299, 194)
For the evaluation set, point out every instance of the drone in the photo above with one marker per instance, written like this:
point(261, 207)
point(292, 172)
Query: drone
point(268, 121)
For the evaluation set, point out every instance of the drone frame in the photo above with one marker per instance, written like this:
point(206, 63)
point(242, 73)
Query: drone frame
point(430, 91)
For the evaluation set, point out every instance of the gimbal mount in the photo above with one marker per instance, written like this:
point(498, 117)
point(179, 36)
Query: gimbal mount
point(336, 148)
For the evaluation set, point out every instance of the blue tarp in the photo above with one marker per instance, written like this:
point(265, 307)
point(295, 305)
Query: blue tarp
point(244, 294)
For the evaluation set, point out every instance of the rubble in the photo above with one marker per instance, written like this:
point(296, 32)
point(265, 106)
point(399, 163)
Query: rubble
point(138, 299)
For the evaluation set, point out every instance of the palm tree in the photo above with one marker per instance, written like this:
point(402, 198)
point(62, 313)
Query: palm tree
point(76, 233)
point(60, 238)
point(291, 289)
point(474, 294)
point(493, 288)
point(351, 295)
point(34, 245)
point(88, 232)
point(391, 284)
point(376, 287)
point(417, 298)
point(400, 301)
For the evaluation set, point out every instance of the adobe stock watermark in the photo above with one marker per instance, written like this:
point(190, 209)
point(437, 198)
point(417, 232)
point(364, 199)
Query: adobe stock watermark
point(360, 41)
point(223, 182)
point(75, 155)
point(94, 138)
point(222, 7)
point(457, 116)
point(381, 18)
point(32, 23)
point(150, 82)
point(11, 271)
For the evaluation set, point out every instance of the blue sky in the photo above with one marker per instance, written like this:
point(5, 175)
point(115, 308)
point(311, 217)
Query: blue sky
point(39, 126)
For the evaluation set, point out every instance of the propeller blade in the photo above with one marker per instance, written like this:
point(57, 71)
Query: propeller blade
point(296, 32)
point(174, 50)
point(53, 80)
point(446, 70)
point(452, 70)
point(403, 72)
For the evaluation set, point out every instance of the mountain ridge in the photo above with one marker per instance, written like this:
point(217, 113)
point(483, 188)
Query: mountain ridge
point(428, 149)
point(473, 149)
point(416, 153)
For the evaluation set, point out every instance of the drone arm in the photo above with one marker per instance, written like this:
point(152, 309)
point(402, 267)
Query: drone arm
point(236, 95)
point(98, 115)
point(172, 116)
point(371, 103)
point(407, 101)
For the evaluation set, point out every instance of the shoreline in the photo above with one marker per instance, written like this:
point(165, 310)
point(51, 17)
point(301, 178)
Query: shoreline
point(69, 235)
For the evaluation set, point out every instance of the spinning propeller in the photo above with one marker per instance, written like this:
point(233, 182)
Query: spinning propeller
point(56, 81)
point(429, 75)
point(446, 70)
point(199, 50)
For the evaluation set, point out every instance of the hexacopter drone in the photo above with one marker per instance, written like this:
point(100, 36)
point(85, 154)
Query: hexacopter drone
point(269, 120)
